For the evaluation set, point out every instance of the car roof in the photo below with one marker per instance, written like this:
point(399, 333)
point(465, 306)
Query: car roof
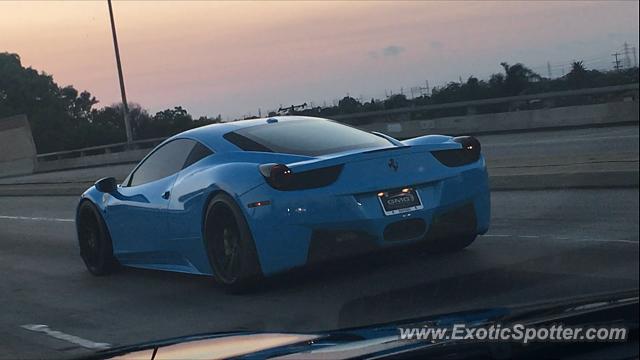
point(212, 135)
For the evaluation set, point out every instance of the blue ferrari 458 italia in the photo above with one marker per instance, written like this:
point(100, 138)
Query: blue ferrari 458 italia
point(253, 198)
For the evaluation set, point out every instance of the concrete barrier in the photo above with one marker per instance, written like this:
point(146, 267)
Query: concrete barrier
point(123, 157)
point(17, 149)
point(624, 112)
point(102, 155)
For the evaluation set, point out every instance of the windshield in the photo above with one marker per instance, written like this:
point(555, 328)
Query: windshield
point(177, 168)
point(307, 137)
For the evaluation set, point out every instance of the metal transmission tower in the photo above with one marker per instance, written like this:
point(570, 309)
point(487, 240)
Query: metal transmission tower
point(125, 106)
point(627, 58)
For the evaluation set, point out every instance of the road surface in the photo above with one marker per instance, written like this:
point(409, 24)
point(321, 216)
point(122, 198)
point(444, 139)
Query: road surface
point(542, 245)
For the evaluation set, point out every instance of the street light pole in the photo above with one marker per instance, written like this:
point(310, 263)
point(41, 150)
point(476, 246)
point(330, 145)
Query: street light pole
point(125, 106)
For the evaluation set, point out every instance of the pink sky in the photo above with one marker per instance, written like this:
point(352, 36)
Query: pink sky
point(235, 57)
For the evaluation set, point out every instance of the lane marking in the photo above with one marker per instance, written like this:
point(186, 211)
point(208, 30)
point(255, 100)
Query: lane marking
point(610, 240)
point(562, 238)
point(8, 217)
point(88, 344)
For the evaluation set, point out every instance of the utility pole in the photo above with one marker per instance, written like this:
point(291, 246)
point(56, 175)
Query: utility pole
point(616, 63)
point(125, 106)
point(635, 59)
point(549, 69)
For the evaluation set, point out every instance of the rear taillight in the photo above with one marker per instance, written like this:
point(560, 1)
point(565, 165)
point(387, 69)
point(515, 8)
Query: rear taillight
point(280, 177)
point(469, 143)
point(469, 153)
point(277, 175)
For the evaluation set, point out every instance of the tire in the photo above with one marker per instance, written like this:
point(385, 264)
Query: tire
point(96, 248)
point(230, 246)
point(449, 244)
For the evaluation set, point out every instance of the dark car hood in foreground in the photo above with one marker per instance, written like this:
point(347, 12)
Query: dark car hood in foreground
point(382, 340)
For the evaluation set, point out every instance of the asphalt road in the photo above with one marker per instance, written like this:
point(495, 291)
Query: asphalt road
point(542, 245)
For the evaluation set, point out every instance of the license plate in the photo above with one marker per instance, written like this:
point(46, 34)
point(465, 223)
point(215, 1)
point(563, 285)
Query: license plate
point(399, 201)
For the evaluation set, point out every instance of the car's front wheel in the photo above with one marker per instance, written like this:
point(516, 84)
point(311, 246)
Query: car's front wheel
point(229, 245)
point(96, 248)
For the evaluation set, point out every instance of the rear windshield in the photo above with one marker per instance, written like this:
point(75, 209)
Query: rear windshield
point(304, 137)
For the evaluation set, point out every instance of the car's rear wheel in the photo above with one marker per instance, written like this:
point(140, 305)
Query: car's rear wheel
point(229, 245)
point(96, 248)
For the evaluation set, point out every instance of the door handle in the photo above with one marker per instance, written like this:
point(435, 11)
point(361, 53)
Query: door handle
point(166, 194)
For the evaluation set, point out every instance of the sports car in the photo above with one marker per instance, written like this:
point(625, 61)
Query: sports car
point(253, 198)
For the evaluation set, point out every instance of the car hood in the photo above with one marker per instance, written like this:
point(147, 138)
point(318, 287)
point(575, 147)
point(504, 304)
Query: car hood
point(376, 340)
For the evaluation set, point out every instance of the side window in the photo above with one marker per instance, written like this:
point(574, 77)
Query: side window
point(198, 152)
point(165, 161)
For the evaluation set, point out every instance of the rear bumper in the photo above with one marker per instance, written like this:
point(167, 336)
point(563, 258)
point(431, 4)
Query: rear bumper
point(335, 244)
point(299, 227)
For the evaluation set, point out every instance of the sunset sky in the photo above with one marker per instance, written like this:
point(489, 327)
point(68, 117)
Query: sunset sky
point(235, 57)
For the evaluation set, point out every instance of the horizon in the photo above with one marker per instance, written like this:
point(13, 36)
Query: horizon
point(171, 54)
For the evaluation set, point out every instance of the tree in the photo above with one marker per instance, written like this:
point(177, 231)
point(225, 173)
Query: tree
point(205, 120)
point(168, 122)
point(79, 105)
point(56, 114)
point(578, 77)
point(517, 78)
point(396, 101)
point(349, 105)
point(372, 105)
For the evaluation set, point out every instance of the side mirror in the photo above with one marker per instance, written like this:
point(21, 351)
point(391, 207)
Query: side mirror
point(106, 185)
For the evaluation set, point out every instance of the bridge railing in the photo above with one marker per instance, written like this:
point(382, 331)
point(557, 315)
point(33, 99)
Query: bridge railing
point(101, 149)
